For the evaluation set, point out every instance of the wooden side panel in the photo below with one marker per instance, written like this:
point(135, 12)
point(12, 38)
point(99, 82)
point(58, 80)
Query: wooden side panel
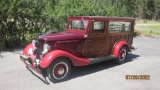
point(95, 47)
point(117, 37)
point(130, 39)
point(113, 41)
point(101, 46)
point(108, 41)
point(113, 38)
point(88, 48)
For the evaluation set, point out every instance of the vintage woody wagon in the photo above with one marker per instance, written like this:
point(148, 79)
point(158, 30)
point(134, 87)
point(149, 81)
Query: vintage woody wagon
point(86, 40)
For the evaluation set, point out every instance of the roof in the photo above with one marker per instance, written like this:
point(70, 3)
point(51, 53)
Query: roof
point(103, 18)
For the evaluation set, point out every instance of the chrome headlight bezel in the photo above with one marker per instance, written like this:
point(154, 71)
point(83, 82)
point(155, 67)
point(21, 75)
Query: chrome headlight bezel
point(46, 48)
point(35, 43)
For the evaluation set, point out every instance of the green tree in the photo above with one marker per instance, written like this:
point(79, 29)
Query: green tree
point(22, 20)
point(156, 14)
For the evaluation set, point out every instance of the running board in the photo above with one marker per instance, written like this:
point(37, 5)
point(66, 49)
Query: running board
point(101, 59)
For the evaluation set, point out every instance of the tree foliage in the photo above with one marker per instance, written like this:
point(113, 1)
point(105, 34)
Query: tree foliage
point(22, 20)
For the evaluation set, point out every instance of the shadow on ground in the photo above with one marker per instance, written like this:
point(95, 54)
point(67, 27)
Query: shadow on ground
point(85, 70)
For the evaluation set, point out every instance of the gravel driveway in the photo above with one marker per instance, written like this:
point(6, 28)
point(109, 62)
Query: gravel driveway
point(102, 76)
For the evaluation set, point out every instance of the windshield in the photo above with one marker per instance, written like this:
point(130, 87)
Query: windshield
point(78, 24)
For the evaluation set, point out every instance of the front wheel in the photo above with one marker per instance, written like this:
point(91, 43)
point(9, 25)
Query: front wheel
point(59, 70)
point(122, 56)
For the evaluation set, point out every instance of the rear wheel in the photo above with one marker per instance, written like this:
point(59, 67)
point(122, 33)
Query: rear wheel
point(59, 70)
point(122, 56)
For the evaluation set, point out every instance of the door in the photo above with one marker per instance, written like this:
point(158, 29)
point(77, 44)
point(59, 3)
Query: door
point(95, 44)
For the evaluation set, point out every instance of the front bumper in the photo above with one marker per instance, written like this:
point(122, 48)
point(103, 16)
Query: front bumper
point(28, 62)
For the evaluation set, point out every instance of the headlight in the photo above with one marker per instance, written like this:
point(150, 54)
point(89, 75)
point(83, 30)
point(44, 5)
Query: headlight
point(35, 43)
point(46, 48)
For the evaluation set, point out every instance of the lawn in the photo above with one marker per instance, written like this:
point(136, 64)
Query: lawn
point(149, 28)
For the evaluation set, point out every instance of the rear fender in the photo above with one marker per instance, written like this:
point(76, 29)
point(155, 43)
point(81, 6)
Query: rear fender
point(118, 45)
point(51, 56)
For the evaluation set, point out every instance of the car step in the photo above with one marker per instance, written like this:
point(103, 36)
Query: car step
point(101, 59)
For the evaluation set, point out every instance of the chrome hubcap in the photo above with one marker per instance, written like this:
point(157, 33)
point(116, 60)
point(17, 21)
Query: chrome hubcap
point(60, 70)
point(122, 55)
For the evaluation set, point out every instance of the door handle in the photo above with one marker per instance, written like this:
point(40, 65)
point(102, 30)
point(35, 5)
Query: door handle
point(89, 40)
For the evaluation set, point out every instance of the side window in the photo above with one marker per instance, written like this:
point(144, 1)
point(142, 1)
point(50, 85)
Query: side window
point(119, 26)
point(97, 27)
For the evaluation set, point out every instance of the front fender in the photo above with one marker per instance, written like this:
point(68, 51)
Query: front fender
point(51, 56)
point(116, 48)
point(28, 49)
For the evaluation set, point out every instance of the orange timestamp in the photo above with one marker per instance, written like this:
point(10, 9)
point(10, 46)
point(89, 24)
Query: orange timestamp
point(137, 77)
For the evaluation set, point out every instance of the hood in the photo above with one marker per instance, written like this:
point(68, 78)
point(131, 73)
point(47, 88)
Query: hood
point(63, 36)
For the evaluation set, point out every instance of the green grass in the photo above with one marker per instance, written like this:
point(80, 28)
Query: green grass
point(147, 28)
point(147, 33)
point(147, 22)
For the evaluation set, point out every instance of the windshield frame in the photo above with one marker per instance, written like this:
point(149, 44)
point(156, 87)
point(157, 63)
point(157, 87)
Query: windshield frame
point(76, 29)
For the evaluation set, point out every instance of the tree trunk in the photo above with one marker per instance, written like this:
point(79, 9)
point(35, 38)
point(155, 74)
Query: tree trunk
point(156, 16)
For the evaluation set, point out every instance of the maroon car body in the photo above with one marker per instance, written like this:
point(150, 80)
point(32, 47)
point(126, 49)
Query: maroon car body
point(86, 40)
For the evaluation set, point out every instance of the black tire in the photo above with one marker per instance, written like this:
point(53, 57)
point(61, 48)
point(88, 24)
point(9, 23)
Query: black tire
point(122, 55)
point(59, 70)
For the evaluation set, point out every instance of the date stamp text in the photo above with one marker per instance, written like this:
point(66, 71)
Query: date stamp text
point(137, 77)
